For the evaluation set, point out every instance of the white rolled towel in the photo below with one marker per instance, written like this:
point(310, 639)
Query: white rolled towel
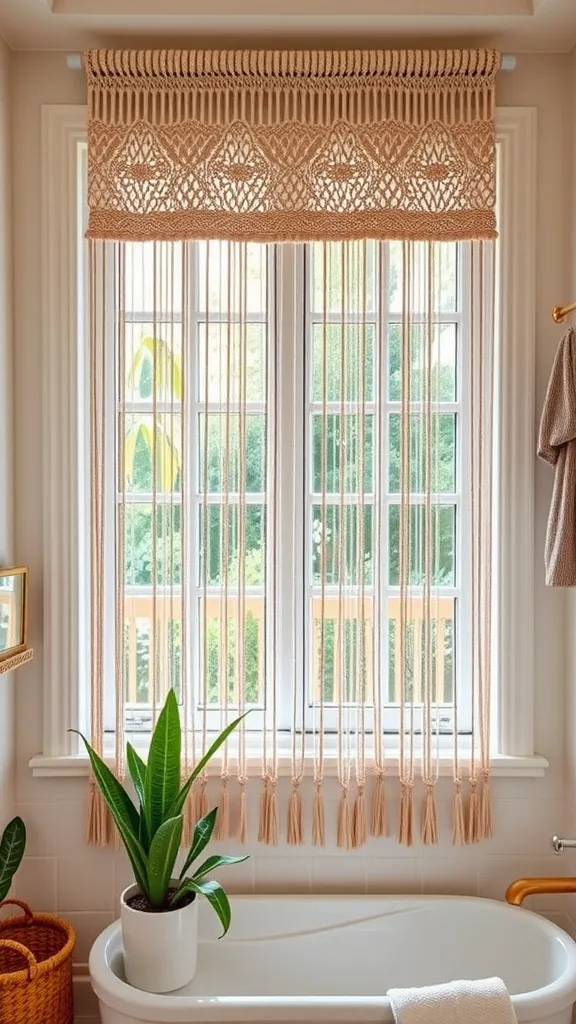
point(458, 1002)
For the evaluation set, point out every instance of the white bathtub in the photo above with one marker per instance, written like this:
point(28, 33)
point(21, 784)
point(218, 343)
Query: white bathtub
point(333, 958)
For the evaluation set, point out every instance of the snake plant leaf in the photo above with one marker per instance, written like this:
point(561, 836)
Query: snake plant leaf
point(12, 846)
point(202, 836)
point(216, 861)
point(137, 769)
point(162, 780)
point(125, 815)
point(215, 895)
point(181, 798)
point(162, 858)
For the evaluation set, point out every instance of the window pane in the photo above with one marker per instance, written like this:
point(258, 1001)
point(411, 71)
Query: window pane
point(147, 635)
point(230, 458)
point(223, 545)
point(343, 282)
point(153, 453)
point(349, 363)
point(407, 661)
point(335, 551)
point(234, 646)
point(229, 350)
point(441, 541)
point(443, 447)
point(443, 376)
point(342, 651)
point(445, 284)
point(341, 450)
point(154, 278)
point(447, 275)
point(153, 352)
point(228, 292)
point(153, 545)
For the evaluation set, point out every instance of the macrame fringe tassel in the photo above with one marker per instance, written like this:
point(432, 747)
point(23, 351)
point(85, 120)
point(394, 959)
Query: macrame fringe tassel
point(359, 830)
point(318, 832)
point(379, 822)
point(458, 826)
point(242, 833)
point(430, 818)
point(264, 807)
point(98, 824)
point(222, 829)
point(406, 822)
point(344, 836)
point(295, 824)
point(473, 809)
point(268, 830)
point(486, 808)
point(189, 818)
point(203, 801)
point(272, 816)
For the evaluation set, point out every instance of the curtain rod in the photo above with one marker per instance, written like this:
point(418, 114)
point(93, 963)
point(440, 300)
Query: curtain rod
point(74, 62)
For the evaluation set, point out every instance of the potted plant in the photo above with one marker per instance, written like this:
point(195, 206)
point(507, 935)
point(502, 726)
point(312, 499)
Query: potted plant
point(12, 846)
point(159, 913)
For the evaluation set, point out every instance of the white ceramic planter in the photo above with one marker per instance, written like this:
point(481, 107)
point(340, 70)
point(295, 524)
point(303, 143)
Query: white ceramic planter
point(160, 950)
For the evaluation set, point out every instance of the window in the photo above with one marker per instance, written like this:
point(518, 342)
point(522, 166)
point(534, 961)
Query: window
point(290, 446)
point(179, 318)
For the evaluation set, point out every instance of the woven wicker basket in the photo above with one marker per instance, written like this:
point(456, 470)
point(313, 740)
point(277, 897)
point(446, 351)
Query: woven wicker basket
point(35, 968)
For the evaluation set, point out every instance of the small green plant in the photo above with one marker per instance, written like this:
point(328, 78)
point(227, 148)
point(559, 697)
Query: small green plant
point(12, 846)
point(152, 831)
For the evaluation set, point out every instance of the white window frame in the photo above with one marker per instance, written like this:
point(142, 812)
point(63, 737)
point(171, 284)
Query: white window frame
point(63, 128)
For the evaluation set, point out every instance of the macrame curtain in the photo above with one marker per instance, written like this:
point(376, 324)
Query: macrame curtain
point(281, 146)
point(196, 162)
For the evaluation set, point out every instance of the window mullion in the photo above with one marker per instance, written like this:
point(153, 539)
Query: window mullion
point(382, 550)
point(190, 503)
point(288, 422)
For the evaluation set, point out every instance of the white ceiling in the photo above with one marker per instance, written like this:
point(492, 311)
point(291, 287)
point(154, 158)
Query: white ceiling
point(512, 25)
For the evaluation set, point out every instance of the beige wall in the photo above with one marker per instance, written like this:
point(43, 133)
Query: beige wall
point(60, 872)
point(7, 745)
point(571, 594)
point(570, 793)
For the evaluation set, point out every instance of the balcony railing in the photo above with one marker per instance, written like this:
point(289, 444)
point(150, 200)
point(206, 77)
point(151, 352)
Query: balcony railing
point(156, 637)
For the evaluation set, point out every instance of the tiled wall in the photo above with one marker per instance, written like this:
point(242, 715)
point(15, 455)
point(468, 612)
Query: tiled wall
point(59, 872)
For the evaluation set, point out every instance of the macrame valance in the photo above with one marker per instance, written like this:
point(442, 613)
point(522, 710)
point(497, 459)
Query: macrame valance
point(280, 145)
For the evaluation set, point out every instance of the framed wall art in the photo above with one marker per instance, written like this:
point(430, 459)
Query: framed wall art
point(14, 648)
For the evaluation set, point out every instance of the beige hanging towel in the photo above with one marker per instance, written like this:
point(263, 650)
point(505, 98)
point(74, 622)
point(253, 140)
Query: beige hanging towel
point(557, 445)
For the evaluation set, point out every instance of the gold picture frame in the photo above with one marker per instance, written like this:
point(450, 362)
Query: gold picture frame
point(14, 648)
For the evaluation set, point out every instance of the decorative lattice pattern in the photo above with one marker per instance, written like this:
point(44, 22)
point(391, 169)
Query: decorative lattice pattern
point(291, 181)
point(382, 146)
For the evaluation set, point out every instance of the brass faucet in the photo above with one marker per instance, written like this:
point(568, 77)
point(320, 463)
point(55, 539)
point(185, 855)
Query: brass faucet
point(517, 892)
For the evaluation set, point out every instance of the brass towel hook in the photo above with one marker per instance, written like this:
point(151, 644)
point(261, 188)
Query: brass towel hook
point(559, 313)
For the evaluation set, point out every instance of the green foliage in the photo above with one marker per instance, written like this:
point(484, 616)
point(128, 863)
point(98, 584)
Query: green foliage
point(152, 831)
point(12, 846)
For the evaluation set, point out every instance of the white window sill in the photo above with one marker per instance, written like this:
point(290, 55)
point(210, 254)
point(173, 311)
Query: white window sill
point(501, 765)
